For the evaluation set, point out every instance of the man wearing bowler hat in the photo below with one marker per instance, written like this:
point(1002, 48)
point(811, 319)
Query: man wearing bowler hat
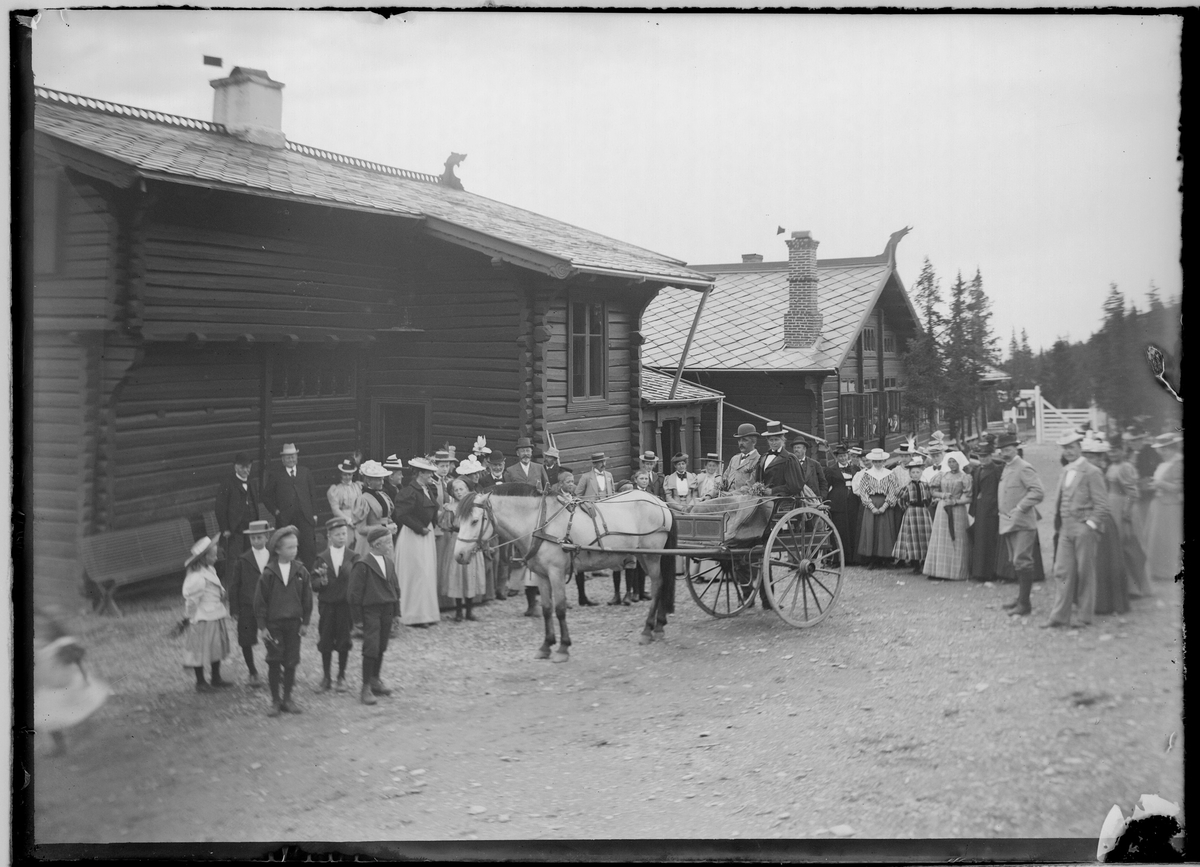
point(525, 470)
point(740, 472)
point(236, 506)
point(291, 496)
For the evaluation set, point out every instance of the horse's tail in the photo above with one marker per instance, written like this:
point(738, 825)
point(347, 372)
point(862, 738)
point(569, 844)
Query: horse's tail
point(672, 532)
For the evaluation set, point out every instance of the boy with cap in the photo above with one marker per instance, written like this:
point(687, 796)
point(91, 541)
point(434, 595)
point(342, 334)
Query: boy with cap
point(243, 584)
point(374, 596)
point(331, 582)
point(283, 607)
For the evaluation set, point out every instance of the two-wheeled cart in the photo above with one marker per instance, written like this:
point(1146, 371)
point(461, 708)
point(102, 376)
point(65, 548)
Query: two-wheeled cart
point(796, 567)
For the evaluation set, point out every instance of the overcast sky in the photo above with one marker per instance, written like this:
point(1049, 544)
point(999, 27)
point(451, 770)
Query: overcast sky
point(1040, 149)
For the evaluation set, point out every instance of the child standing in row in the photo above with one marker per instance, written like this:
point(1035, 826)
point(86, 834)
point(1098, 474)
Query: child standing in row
point(283, 607)
point(331, 582)
point(206, 616)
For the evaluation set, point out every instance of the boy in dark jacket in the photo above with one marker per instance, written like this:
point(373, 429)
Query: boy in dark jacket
point(374, 596)
point(282, 607)
point(243, 584)
point(331, 581)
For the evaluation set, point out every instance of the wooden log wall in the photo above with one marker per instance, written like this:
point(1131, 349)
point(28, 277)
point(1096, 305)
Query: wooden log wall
point(466, 360)
point(610, 426)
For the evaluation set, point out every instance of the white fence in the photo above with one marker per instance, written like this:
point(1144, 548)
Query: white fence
point(1053, 422)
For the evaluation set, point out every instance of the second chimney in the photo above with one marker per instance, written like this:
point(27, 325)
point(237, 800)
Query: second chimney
point(250, 106)
point(802, 321)
point(751, 257)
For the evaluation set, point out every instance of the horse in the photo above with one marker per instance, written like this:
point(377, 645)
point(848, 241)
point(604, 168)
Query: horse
point(539, 526)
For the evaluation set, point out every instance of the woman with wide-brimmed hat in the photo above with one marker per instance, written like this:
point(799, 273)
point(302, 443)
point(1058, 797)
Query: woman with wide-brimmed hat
point(949, 556)
point(1164, 521)
point(416, 551)
point(1112, 596)
point(207, 617)
point(878, 492)
point(374, 507)
point(344, 494)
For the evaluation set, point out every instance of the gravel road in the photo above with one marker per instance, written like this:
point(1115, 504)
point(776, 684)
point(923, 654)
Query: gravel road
point(917, 709)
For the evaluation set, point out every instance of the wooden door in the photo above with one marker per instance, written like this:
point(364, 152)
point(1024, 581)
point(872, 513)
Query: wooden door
point(401, 429)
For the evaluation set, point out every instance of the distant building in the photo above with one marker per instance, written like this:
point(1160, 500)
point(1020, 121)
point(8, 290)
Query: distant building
point(815, 344)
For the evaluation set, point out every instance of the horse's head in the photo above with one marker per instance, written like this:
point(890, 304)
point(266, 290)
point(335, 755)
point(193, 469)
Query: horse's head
point(476, 525)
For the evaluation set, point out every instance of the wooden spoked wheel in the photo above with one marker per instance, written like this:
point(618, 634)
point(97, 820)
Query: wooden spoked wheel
point(802, 567)
point(724, 586)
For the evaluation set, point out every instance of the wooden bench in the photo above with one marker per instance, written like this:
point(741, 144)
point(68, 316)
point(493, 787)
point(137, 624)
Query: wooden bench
point(118, 558)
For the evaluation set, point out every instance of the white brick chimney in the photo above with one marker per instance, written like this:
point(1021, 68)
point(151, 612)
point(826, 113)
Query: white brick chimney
point(802, 321)
point(250, 105)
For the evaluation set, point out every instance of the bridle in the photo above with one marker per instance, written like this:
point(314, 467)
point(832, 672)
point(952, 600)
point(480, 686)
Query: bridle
point(489, 519)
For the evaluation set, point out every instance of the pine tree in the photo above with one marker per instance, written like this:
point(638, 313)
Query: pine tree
point(922, 359)
point(961, 376)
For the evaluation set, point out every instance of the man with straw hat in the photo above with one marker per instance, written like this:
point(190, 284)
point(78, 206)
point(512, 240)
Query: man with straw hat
point(291, 496)
point(283, 607)
point(779, 470)
point(243, 584)
point(550, 459)
point(1081, 505)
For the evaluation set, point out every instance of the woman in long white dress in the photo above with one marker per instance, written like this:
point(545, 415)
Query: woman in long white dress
point(1164, 521)
point(464, 582)
point(949, 556)
point(416, 552)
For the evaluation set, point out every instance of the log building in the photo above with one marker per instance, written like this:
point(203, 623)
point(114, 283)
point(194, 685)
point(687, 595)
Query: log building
point(814, 344)
point(206, 288)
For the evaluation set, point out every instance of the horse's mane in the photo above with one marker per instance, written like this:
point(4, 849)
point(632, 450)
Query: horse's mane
point(514, 489)
point(507, 489)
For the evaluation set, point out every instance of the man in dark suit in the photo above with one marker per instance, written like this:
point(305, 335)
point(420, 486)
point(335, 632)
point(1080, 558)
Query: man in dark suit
point(237, 505)
point(291, 496)
point(525, 470)
point(779, 470)
point(837, 477)
point(810, 470)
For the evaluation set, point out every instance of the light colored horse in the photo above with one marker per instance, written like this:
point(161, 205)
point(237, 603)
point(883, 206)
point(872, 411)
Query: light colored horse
point(538, 527)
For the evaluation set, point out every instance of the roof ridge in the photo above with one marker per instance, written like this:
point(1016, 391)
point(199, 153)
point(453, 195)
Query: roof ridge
point(116, 108)
point(107, 107)
point(752, 267)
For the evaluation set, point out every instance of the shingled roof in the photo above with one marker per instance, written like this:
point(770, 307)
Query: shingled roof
point(136, 142)
point(656, 389)
point(742, 324)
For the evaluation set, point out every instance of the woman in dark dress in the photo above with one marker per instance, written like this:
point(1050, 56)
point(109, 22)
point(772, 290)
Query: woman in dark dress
point(841, 506)
point(1111, 585)
point(985, 509)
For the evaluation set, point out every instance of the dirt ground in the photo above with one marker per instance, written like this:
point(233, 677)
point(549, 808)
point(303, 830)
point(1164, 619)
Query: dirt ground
point(917, 709)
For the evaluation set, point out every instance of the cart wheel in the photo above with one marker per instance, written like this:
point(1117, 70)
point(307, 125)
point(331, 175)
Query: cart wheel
point(715, 586)
point(802, 567)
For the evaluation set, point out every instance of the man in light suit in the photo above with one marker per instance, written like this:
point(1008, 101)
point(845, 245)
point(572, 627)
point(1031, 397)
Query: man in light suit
point(740, 471)
point(1020, 492)
point(291, 497)
point(597, 483)
point(1080, 509)
point(524, 470)
point(236, 506)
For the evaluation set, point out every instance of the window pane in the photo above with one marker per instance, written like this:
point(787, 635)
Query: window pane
point(579, 366)
point(596, 371)
point(595, 319)
point(578, 318)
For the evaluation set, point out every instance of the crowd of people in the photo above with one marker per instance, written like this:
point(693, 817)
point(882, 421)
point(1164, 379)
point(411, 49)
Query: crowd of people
point(389, 554)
